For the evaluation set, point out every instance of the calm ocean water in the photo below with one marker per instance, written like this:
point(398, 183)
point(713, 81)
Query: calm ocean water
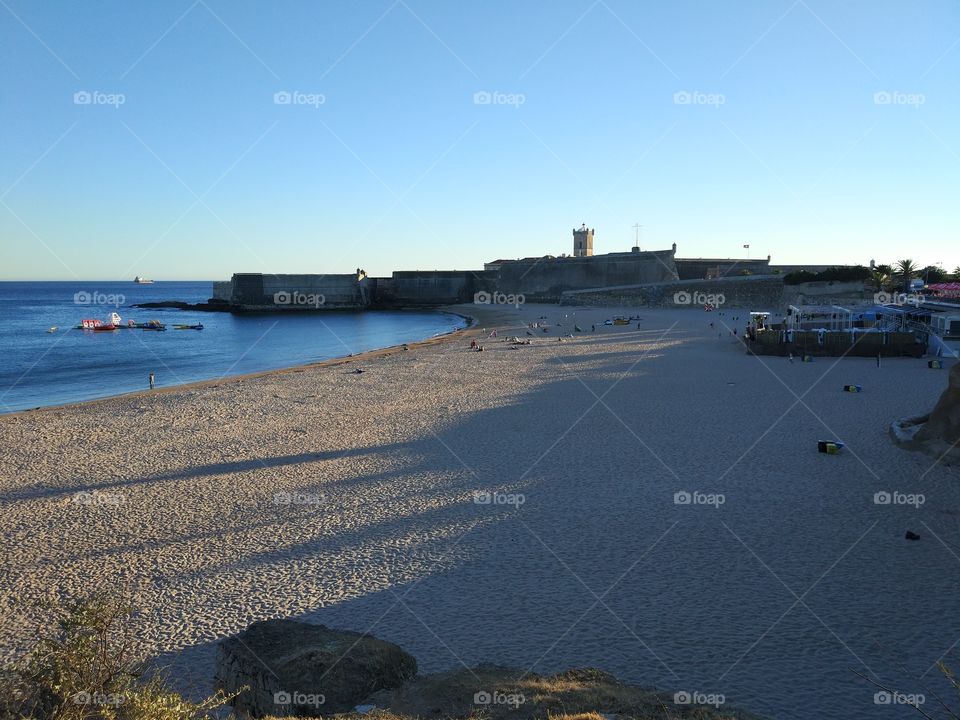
point(38, 368)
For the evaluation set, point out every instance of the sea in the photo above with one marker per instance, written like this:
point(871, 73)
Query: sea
point(42, 366)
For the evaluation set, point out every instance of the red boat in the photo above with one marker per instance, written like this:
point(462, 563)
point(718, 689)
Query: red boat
point(96, 326)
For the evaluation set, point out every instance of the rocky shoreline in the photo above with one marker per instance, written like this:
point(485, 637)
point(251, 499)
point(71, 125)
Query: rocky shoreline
point(289, 668)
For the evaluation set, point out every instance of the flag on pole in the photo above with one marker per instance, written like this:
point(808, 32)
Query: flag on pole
point(747, 247)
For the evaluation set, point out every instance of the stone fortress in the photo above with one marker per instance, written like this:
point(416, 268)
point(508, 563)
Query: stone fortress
point(636, 277)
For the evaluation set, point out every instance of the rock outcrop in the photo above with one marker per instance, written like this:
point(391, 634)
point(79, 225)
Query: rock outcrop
point(295, 668)
point(938, 433)
point(502, 693)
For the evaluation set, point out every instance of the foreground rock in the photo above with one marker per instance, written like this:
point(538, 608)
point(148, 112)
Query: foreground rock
point(295, 668)
point(938, 433)
point(500, 693)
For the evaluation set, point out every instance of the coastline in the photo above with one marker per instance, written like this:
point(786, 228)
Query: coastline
point(214, 382)
point(172, 498)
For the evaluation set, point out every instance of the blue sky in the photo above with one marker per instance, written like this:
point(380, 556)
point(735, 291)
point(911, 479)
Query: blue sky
point(713, 125)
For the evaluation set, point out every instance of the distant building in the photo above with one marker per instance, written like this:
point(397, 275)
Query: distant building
point(582, 241)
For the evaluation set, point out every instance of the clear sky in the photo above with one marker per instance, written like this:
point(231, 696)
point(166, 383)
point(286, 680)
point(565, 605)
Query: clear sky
point(149, 137)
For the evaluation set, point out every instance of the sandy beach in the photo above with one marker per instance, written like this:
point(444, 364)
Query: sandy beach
point(648, 501)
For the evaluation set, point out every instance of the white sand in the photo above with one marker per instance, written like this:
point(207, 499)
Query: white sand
point(183, 514)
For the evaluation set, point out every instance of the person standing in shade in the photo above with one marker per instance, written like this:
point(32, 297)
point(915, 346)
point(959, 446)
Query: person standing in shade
point(151, 381)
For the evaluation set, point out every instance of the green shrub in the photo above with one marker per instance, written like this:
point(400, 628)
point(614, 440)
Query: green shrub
point(834, 274)
point(84, 669)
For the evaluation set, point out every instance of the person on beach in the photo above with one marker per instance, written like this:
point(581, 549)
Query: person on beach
point(151, 381)
point(593, 328)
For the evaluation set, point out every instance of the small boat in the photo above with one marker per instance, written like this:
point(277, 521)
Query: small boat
point(198, 326)
point(620, 321)
point(142, 281)
point(149, 325)
point(107, 327)
point(53, 329)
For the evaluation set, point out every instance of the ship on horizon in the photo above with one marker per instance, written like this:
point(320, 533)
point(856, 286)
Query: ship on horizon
point(142, 281)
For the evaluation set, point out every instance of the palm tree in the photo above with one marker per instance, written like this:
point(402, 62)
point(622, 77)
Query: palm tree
point(906, 269)
point(880, 278)
point(956, 273)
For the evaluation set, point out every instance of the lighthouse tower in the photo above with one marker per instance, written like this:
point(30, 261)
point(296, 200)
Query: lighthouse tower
point(582, 241)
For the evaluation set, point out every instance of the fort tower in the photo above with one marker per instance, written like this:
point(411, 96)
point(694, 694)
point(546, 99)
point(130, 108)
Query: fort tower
point(582, 241)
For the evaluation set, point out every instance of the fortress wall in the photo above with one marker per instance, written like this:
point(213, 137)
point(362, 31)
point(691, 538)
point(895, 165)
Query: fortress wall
point(750, 293)
point(545, 280)
point(222, 290)
point(256, 291)
point(432, 287)
point(696, 268)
